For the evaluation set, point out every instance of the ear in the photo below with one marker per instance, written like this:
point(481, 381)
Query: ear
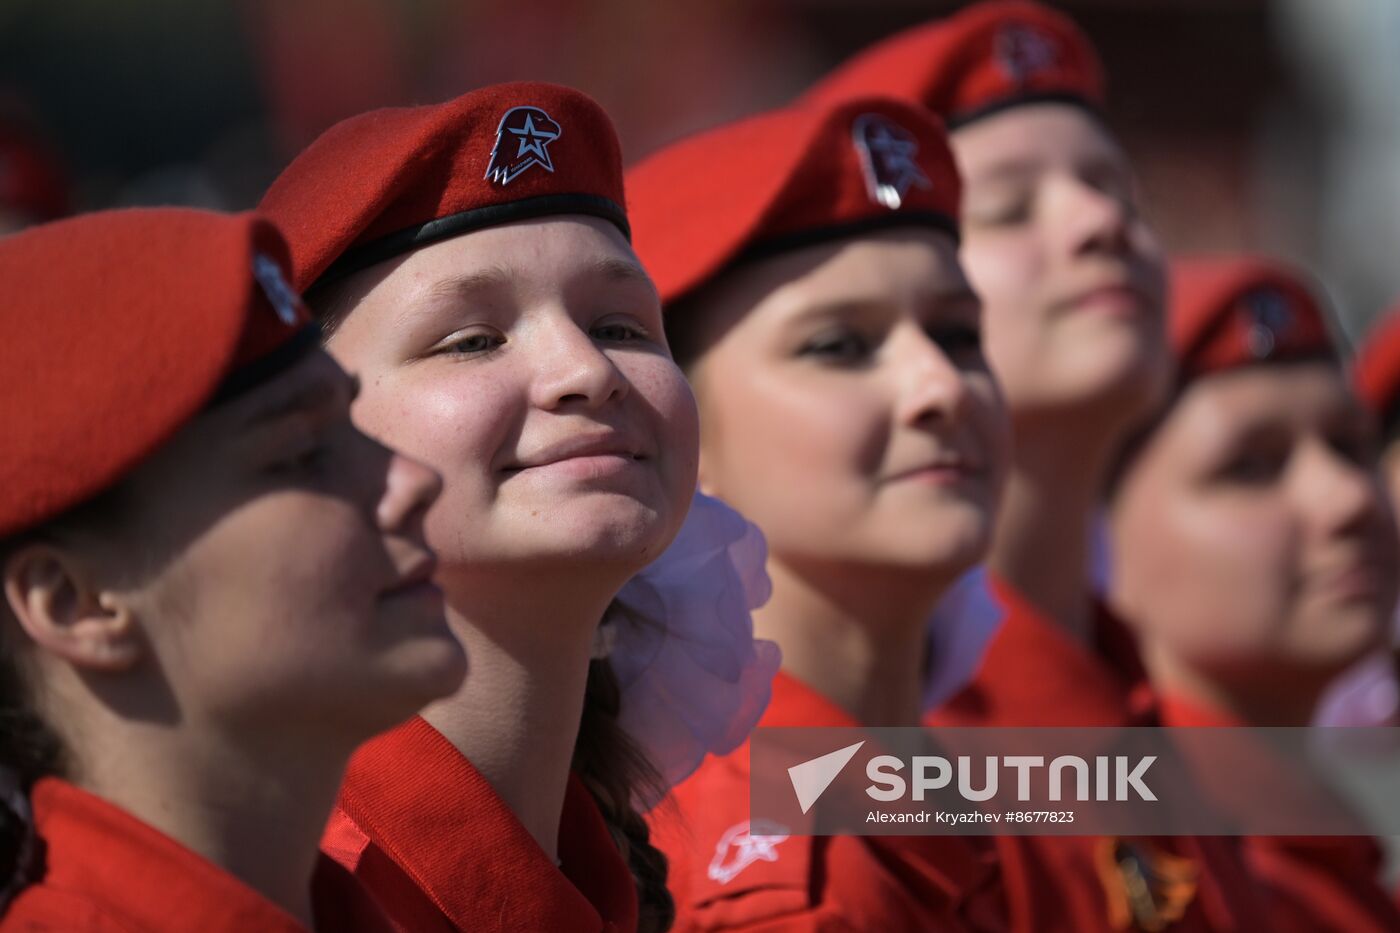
point(57, 604)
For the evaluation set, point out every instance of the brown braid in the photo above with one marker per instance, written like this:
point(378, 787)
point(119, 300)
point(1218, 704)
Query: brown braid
point(614, 769)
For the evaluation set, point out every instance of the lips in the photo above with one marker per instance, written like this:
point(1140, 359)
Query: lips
point(611, 444)
point(418, 573)
point(945, 467)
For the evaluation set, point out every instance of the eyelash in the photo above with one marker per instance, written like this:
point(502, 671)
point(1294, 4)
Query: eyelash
point(831, 347)
point(957, 341)
point(633, 332)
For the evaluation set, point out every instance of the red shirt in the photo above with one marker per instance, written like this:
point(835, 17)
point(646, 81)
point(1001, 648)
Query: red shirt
point(723, 878)
point(104, 870)
point(1036, 674)
point(427, 835)
point(1312, 882)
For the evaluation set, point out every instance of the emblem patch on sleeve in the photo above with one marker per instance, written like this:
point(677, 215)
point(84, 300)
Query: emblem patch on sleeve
point(739, 848)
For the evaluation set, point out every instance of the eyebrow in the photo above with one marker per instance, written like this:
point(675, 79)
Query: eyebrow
point(305, 399)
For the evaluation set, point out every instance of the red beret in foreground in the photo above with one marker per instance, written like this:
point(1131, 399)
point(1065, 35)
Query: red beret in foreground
point(978, 61)
point(1377, 367)
point(788, 178)
point(118, 328)
point(386, 182)
point(1236, 311)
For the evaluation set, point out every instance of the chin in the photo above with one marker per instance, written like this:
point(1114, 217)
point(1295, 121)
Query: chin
point(607, 529)
point(1127, 384)
point(958, 544)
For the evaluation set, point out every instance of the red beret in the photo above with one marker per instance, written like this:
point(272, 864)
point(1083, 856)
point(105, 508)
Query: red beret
point(389, 181)
point(789, 178)
point(984, 58)
point(1236, 311)
point(1376, 372)
point(118, 328)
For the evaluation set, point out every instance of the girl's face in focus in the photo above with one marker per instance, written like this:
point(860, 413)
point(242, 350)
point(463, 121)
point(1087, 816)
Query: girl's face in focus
point(1071, 278)
point(1251, 534)
point(527, 363)
point(846, 406)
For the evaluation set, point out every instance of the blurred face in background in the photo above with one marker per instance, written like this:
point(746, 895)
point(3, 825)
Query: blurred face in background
point(1253, 543)
point(846, 406)
point(1071, 278)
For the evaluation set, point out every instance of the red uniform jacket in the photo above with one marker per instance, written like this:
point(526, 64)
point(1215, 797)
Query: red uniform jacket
point(104, 870)
point(435, 845)
point(1035, 674)
point(1312, 882)
point(725, 878)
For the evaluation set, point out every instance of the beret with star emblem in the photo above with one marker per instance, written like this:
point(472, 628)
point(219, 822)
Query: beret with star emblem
point(976, 62)
point(120, 326)
point(386, 182)
point(785, 179)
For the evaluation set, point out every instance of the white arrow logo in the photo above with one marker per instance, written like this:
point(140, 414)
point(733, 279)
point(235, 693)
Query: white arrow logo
point(811, 778)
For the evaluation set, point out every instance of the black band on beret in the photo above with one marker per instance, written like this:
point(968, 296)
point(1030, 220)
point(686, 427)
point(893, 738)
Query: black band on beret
point(266, 367)
point(791, 241)
point(957, 120)
point(407, 240)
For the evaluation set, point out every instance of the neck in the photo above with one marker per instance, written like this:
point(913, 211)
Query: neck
point(856, 637)
point(516, 717)
point(1044, 531)
point(258, 813)
point(1269, 698)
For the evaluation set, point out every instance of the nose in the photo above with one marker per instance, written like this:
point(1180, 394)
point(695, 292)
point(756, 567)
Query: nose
point(410, 489)
point(931, 386)
point(1097, 220)
point(1342, 497)
point(572, 369)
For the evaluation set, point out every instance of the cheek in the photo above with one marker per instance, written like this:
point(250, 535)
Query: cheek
point(779, 443)
point(1004, 269)
point(670, 409)
point(1210, 572)
point(454, 423)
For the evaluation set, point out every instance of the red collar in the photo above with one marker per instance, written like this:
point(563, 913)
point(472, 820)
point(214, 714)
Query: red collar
point(796, 704)
point(423, 803)
point(1035, 674)
point(102, 865)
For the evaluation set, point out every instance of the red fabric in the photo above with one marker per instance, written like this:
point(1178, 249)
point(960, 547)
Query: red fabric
point(814, 882)
point(426, 835)
point(1035, 674)
point(699, 203)
point(126, 318)
point(1234, 311)
point(1312, 882)
point(104, 870)
point(394, 169)
point(1377, 366)
point(985, 57)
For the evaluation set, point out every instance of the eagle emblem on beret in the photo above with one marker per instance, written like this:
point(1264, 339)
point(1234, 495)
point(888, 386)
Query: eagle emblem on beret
point(1022, 52)
point(280, 295)
point(1270, 318)
point(888, 159)
point(522, 141)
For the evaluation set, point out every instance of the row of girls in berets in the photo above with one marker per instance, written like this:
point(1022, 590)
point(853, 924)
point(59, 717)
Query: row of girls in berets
point(909, 324)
